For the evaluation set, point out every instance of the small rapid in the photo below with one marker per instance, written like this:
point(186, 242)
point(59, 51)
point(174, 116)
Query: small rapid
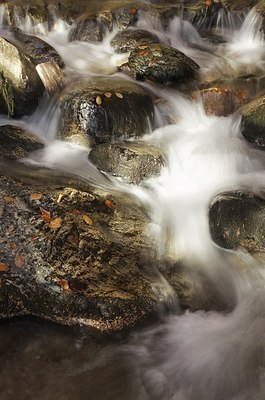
point(190, 356)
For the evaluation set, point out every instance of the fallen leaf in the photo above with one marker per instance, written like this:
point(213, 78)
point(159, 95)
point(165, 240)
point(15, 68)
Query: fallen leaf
point(87, 219)
point(9, 199)
point(3, 267)
point(143, 46)
point(133, 10)
point(144, 53)
point(33, 238)
point(19, 260)
point(55, 223)
point(65, 284)
point(109, 204)
point(99, 100)
point(35, 196)
point(46, 215)
point(119, 95)
point(208, 2)
point(59, 198)
point(76, 212)
point(12, 245)
point(108, 95)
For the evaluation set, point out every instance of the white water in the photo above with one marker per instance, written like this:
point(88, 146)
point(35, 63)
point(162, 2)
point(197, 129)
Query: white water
point(196, 356)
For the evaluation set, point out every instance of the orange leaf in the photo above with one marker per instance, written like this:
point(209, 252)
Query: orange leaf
point(87, 219)
point(19, 260)
point(3, 267)
point(9, 199)
point(55, 223)
point(46, 215)
point(65, 284)
point(35, 196)
point(33, 238)
point(144, 53)
point(143, 46)
point(109, 204)
point(133, 10)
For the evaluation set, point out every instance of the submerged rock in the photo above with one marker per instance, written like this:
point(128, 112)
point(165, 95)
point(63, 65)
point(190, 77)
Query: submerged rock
point(253, 121)
point(237, 220)
point(20, 85)
point(130, 39)
point(104, 110)
point(161, 64)
point(16, 143)
point(132, 162)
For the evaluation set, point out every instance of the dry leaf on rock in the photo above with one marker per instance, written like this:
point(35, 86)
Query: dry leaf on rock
point(19, 260)
point(87, 219)
point(3, 267)
point(35, 196)
point(46, 215)
point(99, 100)
point(65, 284)
point(108, 95)
point(55, 223)
point(109, 204)
point(119, 95)
point(9, 199)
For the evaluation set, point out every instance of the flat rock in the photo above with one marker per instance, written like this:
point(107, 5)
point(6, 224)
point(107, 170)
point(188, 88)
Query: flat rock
point(132, 162)
point(130, 39)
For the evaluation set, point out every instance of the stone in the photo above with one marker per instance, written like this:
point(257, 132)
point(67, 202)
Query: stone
point(92, 29)
point(132, 162)
point(104, 110)
point(130, 39)
point(253, 121)
point(237, 221)
point(20, 85)
point(160, 63)
point(17, 143)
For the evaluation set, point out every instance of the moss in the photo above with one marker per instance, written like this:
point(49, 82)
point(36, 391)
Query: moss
point(6, 92)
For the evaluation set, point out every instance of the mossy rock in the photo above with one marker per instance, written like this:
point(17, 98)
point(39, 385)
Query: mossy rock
point(160, 63)
point(104, 110)
point(253, 121)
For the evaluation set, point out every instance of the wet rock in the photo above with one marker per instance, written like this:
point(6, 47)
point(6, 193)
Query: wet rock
point(239, 4)
point(130, 39)
point(220, 101)
point(36, 49)
point(103, 110)
point(161, 64)
point(132, 162)
point(74, 258)
point(237, 220)
point(91, 29)
point(253, 121)
point(16, 143)
point(20, 85)
point(125, 17)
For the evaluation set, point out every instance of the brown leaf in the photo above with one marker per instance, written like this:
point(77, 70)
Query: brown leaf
point(59, 198)
point(65, 284)
point(143, 46)
point(34, 238)
point(35, 196)
point(76, 212)
point(109, 204)
point(119, 95)
point(55, 223)
point(46, 215)
point(19, 260)
point(108, 94)
point(99, 100)
point(133, 10)
point(12, 245)
point(87, 219)
point(3, 267)
point(9, 199)
point(144, 53)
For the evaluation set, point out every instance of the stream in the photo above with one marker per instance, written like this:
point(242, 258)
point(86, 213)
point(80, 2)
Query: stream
point(186, 356)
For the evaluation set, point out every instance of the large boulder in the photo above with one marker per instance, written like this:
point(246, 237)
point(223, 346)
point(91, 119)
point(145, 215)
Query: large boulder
point(132, 162)
point(103, 110)
point(237, 220)
point(130, 39)
point(20, 85)
point(253, 121)
point(92, 29)
point(161, 64)
point(17, 143)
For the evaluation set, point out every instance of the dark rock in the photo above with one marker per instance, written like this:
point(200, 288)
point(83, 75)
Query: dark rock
point(125, 17)
point(239, 4)
point(16, 143)
point(237, 220)
point(130, 39)
point(133, 162)
point(89, 268)
point(103, 110)
point(253, 121)
point(91, 29)
point(160, 63)
point(20, 86)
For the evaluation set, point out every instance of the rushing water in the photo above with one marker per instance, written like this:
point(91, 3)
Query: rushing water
point(193, 356)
